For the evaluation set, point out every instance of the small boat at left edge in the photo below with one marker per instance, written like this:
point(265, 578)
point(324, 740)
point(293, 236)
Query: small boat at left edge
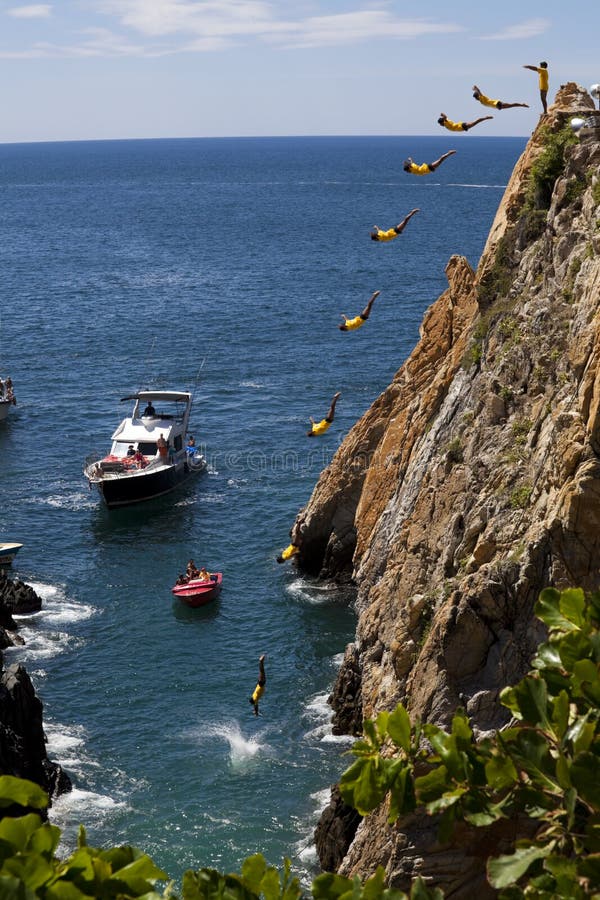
point(8, 551)
point(197, 592)
point(7, 397)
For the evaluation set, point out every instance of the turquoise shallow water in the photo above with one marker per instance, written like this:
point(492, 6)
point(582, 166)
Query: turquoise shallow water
point(223, 266)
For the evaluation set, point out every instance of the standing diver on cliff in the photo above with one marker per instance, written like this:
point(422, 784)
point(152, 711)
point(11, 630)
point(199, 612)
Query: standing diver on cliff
point(260, 686)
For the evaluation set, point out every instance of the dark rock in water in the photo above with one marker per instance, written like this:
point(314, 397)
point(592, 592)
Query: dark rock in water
point(22, 740)
point(346, 696)
point(335, 831)
point(17, 598)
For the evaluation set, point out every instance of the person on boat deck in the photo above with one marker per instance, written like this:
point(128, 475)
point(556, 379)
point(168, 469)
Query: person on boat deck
point(149, 411)
point(130, 450)
point(358, 321)
point(424, 168)
point(322, 426)
point(140, 458)
point(290, 550)
point(190, 570)
point(162, 446)
point(203, 575)
point(182, 579)
point(445, 122)
point(10, 394)
point(378, 235)
point(542, 71)
point(191, 446)
point(260, 686)
point(495, 104)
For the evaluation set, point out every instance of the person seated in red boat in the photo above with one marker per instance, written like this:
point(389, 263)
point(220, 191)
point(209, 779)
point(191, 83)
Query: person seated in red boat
point(139, 458)
point(182, 579)
point(203, 575)
point(191, 571)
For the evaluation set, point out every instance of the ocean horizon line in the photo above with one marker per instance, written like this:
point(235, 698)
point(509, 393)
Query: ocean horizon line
point(258, 137)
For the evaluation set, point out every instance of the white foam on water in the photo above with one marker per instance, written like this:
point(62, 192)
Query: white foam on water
point(71, 501)
point(80, 806)
point(319, 713)
point(42, 631)
point(305, 592)
point(257, 385)
point(459, 184)
point(242, 750)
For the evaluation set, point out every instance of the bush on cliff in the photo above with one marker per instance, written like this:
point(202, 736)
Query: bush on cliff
point(542, 772)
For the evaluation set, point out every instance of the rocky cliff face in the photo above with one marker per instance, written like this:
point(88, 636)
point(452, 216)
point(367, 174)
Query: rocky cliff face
point(22, 739)
point(474, 480)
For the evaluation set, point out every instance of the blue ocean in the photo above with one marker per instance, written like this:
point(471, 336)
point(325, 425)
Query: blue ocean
point(221, 266)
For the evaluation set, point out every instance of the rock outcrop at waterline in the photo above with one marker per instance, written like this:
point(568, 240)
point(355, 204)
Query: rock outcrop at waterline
point(473, 481)
point(22, 739)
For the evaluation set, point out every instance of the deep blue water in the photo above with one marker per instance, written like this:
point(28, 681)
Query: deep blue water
point(220, 265)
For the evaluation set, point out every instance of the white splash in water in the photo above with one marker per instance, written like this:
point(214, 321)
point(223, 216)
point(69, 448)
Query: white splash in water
point(242, 750)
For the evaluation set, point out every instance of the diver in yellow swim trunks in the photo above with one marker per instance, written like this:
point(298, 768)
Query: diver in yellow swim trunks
point(445, 122)
point(322, 426)
point(378, 235)
point(495, 104)
point(290, 550)
point(358, 321)
point(425, 168)
point(260, 687)
point(542, 71)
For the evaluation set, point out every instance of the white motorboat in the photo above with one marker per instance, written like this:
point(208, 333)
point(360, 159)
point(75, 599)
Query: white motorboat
point(8, 551)
point(148, 456)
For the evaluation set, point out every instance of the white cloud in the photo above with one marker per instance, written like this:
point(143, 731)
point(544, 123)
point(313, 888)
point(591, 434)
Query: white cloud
point(352, 28)
point(529, 29)
point(35, 11)
point(210, 23)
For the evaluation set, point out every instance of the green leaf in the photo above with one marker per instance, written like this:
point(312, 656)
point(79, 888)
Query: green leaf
point(253, 871)
point(548, 610)
point(560, 715)
point(572, 606)
point(585, 775)
point(500, 772)
point(363, 786)
point(572, 648)
point(420, 891)
point(528, 700)
point(399, 728)
point(431, 786)
point(402, 792)
point(587, 679)
point(22, 792)
point(330, 886)
point(506, 870)
point(547, 656)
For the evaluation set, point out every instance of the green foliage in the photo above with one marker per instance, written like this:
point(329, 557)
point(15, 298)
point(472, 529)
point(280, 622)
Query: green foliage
point(544, 768)
point(336, 887)
point(548, 167)
point(454, 451)
point(520, 496)
point(497, 281)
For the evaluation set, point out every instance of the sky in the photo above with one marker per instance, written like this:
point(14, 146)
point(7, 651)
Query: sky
point(108, 69)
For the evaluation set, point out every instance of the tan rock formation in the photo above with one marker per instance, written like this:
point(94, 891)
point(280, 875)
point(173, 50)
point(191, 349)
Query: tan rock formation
point(474, 480)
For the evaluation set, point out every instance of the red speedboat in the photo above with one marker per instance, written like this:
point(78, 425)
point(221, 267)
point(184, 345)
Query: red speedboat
point(197, 592)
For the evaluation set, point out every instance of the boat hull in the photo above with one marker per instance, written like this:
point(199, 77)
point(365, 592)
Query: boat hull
point(5, 406)
point(136, 488)
point(8, 551)
point(198, 593)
